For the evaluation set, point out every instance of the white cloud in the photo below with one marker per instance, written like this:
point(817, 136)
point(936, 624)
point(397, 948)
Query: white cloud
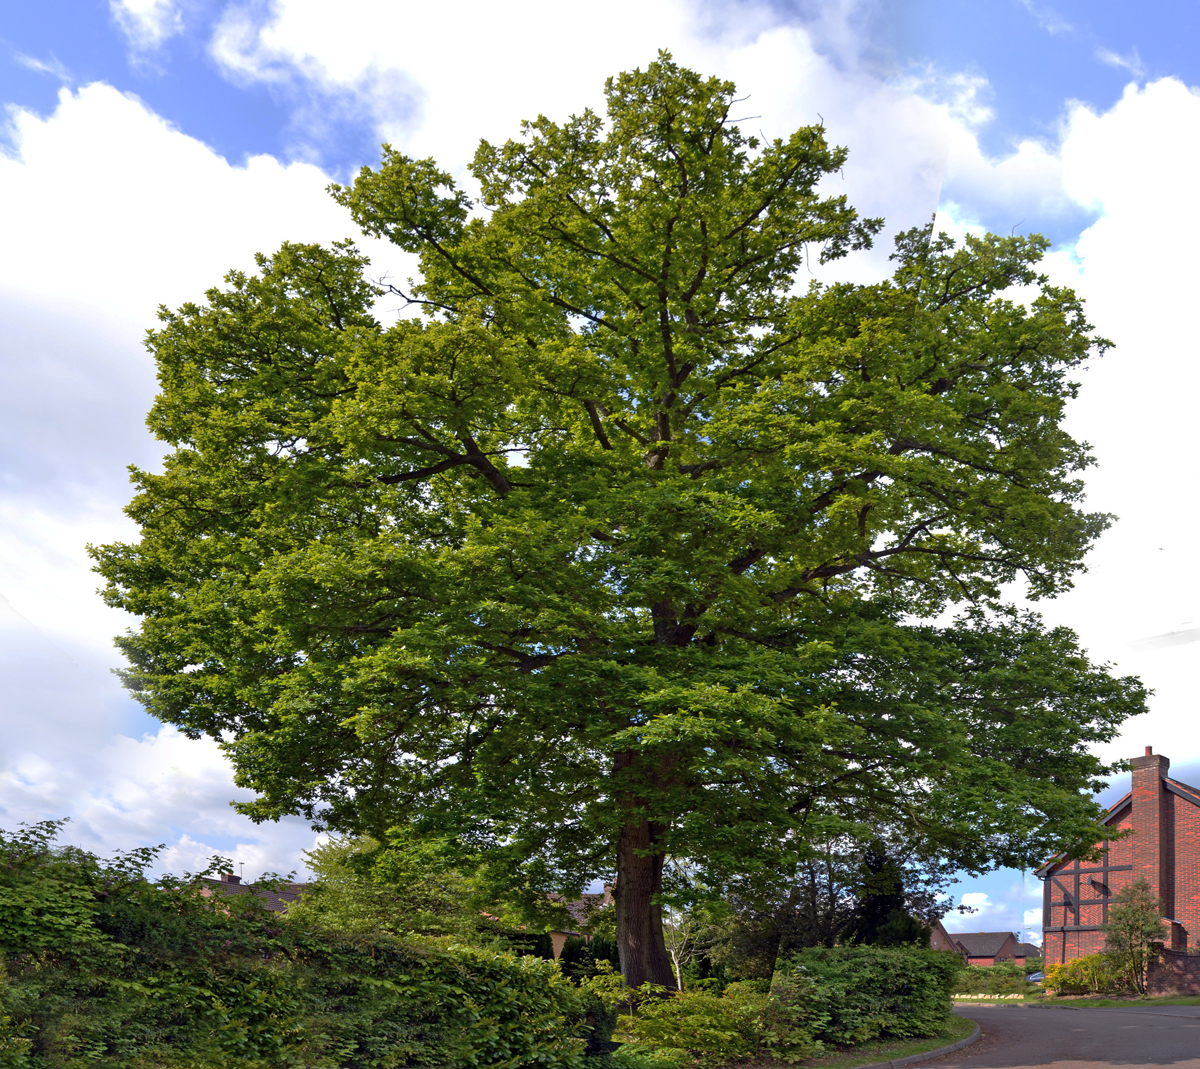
point(147, 23)
point(376, 60)
point(1033, 926)
point(1047, 18)
point(1131, 63)
point(978, 919)
point(116, 211)
point(52, 66)
point(1136, 268)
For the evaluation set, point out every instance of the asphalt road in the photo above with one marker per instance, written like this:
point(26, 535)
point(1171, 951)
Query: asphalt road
point(1079, 1039)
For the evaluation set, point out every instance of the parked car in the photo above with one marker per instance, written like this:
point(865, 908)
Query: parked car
point(1036, 977)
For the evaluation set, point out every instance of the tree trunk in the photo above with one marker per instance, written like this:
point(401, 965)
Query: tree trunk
point(640, 943)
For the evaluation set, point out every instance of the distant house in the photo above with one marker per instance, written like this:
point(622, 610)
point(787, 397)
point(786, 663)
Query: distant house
point(940, 939)
point(580, 912)
point(277, 900)
point(1025, 951)
point(988, 948)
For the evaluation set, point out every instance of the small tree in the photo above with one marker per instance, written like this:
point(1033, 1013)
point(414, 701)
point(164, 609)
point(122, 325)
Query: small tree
point(401, 885)
point(687, 925)
point(1135, 923)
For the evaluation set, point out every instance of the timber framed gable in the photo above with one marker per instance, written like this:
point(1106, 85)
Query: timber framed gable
point(1161, 819)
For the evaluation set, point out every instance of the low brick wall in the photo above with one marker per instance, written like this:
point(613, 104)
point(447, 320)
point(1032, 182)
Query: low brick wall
point(1174, 973)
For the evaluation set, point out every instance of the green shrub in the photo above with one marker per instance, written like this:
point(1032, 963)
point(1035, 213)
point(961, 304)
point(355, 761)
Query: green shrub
point(843, 996)
point(1002, 979)
point(862, 993)
point(713, 1029)
point(793, 1018)
point(109, 971)
point(330, 1003)
point(1096, 974)
point(635, 1056)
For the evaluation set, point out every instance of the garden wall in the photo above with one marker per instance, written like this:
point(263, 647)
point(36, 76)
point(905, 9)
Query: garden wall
point(1175, 973)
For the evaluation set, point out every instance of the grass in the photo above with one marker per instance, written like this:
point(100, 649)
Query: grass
point(887, 1050)
point(1085, 1002)
point(1081, 1002)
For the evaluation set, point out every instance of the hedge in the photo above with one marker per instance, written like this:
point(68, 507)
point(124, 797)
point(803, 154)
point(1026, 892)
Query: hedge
point(106, 970)
point(840, 997)
point(863, 993)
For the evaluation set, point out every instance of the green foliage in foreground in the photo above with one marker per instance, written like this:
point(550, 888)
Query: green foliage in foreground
point(105, 969)
point(820, 998)
point(108, 970)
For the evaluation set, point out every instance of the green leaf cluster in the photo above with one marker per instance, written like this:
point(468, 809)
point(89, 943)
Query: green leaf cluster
point(400, 886)
point(865, 992)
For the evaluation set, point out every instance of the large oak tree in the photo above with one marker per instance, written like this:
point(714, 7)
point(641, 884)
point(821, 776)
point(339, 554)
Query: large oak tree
point(621, 549)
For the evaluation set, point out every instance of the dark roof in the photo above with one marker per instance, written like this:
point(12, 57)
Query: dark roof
point(1028, 950)
point(981, 944)
point(589, 902)
point(1184, 791)
point(277, 900)
point(582, 909)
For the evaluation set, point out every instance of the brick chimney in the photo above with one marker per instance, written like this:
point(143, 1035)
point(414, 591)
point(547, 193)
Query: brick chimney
point(229, 877)
point(1153, 833)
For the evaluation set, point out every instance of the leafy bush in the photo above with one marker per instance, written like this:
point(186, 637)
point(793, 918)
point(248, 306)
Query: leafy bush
point(1002, 979)
point(107, 970)
point(843, 996)
point(1133, 932)
point(1096, 974)
point(869, 992)
point(794, 1017)
point(712, 1029)
point(635, 1056)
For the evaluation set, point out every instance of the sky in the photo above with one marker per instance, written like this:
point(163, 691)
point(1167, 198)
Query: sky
point(149, 146)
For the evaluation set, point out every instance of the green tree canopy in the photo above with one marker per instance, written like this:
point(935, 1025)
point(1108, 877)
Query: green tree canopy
point(364, 887)
point(620, 551)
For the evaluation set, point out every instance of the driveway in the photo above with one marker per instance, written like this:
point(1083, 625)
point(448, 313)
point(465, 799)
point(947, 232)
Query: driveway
point(1079, 1039)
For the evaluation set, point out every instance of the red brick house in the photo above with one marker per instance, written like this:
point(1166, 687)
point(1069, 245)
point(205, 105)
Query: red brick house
point(988, 948)
point(1162, 817)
